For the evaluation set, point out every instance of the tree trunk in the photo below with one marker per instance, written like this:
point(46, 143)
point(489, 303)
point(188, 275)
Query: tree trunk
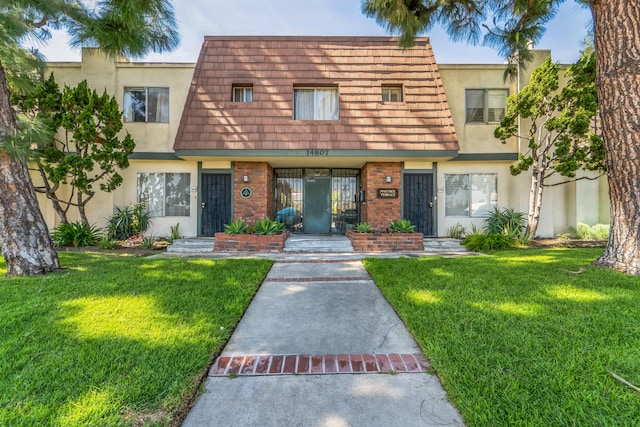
point(24, 237)
point(51, 195)
point(617, 40)
point(535, 202)
point(81, 209)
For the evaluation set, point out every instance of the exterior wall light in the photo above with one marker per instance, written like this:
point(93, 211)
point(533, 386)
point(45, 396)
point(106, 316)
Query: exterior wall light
point(388, 179)
point(245, 178)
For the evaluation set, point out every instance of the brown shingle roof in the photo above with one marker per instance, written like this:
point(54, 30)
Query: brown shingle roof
point(359, 66)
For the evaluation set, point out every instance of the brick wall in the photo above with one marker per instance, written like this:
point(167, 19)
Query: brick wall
point(377, 212)
point(250, 242)
point(260, 204)
point(386, 242)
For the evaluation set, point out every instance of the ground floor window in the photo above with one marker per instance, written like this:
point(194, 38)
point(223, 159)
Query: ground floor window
point(472, 194)
point(165, 194)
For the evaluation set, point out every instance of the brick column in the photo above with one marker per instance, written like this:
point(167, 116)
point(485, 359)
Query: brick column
point(377, 212)
point(260, 204)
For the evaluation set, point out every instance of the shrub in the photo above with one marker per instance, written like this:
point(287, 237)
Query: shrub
point(457, 231)
point(509, 222)
point(106, 243)
point(363, 227)
point(76, 234)
point(487, 242)
point(148, 242)
point(475, 231)
point(586, 232)
point(128, 221)
point(268, 227)
point(401, 226)
point(175, 233)
point(237, 226)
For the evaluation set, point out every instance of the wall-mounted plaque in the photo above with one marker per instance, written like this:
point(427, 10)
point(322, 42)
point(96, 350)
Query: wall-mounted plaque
point(387, 193)
point(245, 193)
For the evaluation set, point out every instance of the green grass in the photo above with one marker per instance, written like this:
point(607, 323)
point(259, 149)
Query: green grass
point(115, 340)
point(518, 340)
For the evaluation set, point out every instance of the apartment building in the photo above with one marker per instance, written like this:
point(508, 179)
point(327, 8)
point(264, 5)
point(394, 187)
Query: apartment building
point(320, 133)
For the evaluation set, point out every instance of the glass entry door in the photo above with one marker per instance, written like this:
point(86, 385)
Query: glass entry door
point(317, 205)
point(318, 201)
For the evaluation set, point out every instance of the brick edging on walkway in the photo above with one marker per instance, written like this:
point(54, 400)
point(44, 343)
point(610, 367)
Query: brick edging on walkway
point(318, 364)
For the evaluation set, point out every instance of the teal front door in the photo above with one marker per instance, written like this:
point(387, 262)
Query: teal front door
point(317, 205)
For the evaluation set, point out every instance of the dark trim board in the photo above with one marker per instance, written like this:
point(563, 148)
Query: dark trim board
point(452, 154)
point(153, 156)
point(475, 157)
point(305, 153)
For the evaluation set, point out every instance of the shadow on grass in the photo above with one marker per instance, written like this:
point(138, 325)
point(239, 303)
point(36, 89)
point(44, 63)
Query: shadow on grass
point(524, 337)
point(115, 338)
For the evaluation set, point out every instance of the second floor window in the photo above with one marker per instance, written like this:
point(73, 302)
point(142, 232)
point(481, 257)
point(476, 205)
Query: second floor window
point(391, 93)
point(146, 104)
point(315, 103)
point(485, 105)
point(242, 93)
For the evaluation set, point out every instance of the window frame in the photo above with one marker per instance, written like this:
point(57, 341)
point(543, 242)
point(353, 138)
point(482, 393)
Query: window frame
point(246, 89)
point(163, 198)
point(390, 88)
point(470, 201)
point(485, 105)
point(315, 89)
point(145, 89)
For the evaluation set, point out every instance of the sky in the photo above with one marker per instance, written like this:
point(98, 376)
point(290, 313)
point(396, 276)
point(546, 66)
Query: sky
point(197, 18)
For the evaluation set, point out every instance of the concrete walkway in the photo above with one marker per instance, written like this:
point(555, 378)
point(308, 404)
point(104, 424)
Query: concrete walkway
point(320, 346)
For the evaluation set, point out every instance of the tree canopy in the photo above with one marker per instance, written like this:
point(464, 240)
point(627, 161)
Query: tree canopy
point(557, 128)
point(84, 149)
point(506, 25)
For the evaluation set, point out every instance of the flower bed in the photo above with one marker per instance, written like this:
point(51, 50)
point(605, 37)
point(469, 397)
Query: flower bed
point(386, 242)
point(249, 242)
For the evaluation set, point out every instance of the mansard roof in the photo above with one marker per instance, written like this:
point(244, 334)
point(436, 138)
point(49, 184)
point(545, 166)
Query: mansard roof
point(358, 66)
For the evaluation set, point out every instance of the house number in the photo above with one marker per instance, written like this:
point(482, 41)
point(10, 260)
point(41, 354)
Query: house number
point(317, 152)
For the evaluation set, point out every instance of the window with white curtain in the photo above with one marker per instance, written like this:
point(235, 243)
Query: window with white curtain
point(315, 104)
point(146, 104)
point(472, 195)
point(165, 194)
point(485, 105)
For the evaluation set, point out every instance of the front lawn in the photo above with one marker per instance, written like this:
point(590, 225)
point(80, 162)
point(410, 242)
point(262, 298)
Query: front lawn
point(113, 339)
point(524, 337)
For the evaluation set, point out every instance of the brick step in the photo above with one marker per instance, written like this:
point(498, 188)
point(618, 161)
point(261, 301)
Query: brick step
point(289, 364)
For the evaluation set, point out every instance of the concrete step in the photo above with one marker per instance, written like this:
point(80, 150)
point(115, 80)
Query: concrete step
point(317, 243)
point(192, 245)
point(443, 244)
